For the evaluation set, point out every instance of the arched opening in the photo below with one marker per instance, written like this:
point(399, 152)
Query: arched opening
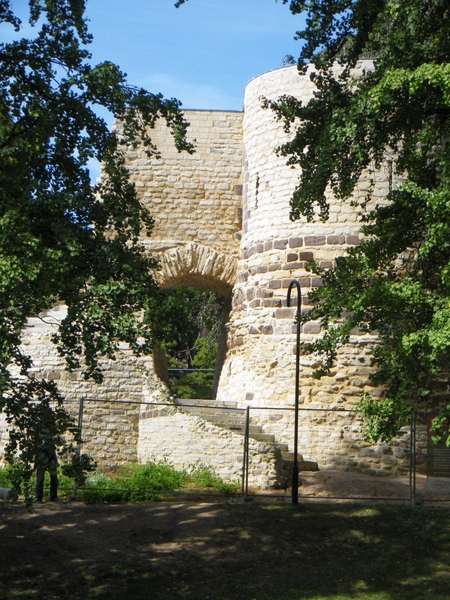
point(196, 284)
point(195, 352)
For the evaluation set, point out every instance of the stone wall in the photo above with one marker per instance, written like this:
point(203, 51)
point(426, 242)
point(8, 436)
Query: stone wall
point(187, 441)
point(111, 409)
point(130, 416)
point(259, 369)
point(195, 200)
point(222, 223)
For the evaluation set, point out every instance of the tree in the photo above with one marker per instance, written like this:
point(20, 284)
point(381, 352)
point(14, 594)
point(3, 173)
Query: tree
point(61, 239)
point(397, 281)
point(188, 321)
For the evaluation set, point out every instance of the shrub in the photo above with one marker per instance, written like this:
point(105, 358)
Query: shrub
point(155, 477)
point(100, 488)
point(64, 483)
point(204, 476)
point(135, 483)
point(5, 480)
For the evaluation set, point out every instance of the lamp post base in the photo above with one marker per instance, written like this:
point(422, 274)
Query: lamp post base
point(295, 485)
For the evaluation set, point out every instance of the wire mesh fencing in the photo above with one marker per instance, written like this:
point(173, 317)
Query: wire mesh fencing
point(250, 451)
point(334, 460)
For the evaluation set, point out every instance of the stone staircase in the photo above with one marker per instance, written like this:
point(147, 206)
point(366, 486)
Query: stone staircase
point(228, 416)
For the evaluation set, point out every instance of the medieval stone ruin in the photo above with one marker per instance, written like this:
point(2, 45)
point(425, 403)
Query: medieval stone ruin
point(222, 224)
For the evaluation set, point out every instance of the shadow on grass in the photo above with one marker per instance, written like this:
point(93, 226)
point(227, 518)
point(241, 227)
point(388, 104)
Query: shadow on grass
point(205, 551)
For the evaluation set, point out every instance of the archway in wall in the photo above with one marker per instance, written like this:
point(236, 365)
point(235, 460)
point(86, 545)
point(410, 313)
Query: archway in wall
point(204, 276)
point(194, 348)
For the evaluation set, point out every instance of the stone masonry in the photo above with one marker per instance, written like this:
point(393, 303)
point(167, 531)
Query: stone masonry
point(195, 200)
point(259, 366)
point(222, 224)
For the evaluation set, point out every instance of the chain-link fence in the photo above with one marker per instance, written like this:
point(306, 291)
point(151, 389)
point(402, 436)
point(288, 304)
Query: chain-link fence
point(334, 460)
point(253, 448)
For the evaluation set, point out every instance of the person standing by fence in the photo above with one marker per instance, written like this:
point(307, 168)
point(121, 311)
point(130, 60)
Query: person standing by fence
point(46, 460)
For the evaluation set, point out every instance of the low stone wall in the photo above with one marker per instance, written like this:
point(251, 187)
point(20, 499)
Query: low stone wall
point(186, 441)
point(333, 439)
point(129, 417)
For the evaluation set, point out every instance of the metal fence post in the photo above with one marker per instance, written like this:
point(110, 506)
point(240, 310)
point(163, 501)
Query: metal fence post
point(80, 429)
point(412, 459)
point(245, 460)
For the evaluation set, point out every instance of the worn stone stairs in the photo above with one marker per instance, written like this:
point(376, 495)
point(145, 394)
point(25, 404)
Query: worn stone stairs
point(228, 416)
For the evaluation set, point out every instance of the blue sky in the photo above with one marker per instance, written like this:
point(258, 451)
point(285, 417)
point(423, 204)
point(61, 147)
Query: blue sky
point(202, 53)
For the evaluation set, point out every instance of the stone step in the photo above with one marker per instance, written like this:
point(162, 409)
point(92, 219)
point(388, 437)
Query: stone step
point(303, 465)
point(288, 457)
point(228, 416)
point(263, 437)
point(225, 416)
point(238, 428)
point(206, 402)
point(308, 465)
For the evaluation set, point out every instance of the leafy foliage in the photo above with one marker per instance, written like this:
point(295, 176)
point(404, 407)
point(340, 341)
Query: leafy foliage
point(5, 479)
point(204, 476)
point(192, 384)
point(394, 116)
point(188, 322)
point(149, 482)
point(78, 469)
point(135, 483)
point(61, 239)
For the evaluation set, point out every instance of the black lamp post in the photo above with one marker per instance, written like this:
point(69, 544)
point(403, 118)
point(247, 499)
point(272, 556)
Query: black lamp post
point(297, 379)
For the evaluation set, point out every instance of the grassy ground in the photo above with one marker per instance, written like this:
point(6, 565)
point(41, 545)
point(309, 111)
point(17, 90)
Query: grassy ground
point(224, 551)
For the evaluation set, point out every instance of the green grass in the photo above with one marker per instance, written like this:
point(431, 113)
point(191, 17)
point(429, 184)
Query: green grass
point(243, 552)
point(203, 476)
point(134, 483)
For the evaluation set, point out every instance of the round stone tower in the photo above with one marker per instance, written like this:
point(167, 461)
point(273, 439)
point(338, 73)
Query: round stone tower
point(259, 369)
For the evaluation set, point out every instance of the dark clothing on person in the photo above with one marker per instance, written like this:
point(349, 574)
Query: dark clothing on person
point(52, 467)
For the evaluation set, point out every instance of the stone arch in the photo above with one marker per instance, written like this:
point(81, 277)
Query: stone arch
point(194, 264)
point(202, 267)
